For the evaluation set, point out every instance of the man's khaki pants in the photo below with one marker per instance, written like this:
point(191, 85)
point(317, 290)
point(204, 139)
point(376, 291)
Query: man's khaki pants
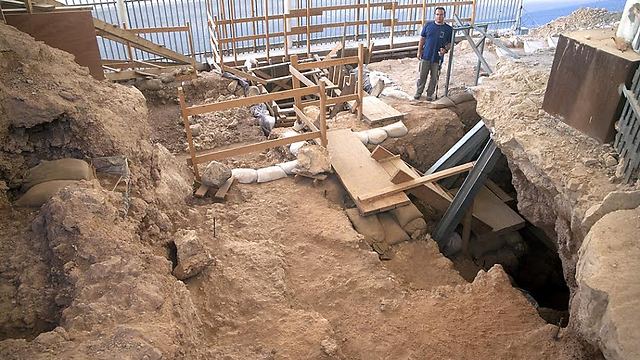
point(427, 67)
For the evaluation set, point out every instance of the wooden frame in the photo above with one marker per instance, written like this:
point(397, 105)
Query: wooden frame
point(187, 111)
point(307, 29)
point(324, 101)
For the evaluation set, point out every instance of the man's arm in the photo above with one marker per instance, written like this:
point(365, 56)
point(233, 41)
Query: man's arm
point(420, 46)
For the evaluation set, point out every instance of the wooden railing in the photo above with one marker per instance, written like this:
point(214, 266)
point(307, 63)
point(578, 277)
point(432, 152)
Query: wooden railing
point(187, 111)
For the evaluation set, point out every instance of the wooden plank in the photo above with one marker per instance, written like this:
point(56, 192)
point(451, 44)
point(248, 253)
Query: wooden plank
point(376, 111)
point(398, 188)
point(324, 64)
point(334, 51)
point(380, 153)
point(153, 30)
point(131, 74)
point(202, 191)
point(303, 12)
point(247, 149)
point(360, 173)
point(251, 100)
point(244, 74)
point(401, 176)
point(305, 119)
point(224, 189)
point(124, 36)
point(300, 77)
point(497, 190)
point(495, 213)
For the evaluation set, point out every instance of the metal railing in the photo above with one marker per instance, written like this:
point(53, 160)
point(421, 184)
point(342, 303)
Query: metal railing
point(499, 14)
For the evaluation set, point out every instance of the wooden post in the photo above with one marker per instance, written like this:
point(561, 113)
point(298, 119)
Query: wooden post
point(191, 47)
point(286, 37)
point(308, 28)
point(357, 34)
point(4, 19)
point(266, 28)
point(424, 14)
point(368, 24)
point(255, 25)
point(473, 12)
point(323, 114)
point(128, 44)
point(393, 22)
point(360, 80)
point(187, 129)
point(223, 17)
point(27, 4)
point(296, 84)
point(233, 30)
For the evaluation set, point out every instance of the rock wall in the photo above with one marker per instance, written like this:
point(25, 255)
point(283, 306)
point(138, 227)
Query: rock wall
point(562, 177)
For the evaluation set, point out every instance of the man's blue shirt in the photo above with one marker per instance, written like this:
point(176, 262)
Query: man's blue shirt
point(436, 37)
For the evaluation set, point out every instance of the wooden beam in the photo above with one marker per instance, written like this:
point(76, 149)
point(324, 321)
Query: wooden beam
point(243, 74)
point(247, 149)
point(122, 35)
point(305, 119)
point(417, 182)
point(380, 153)
point(153, 30)
point(224, 189)
point(401, 176)
point(202, 191)
point(187, 129)
point(324, 64)
point(303, 79)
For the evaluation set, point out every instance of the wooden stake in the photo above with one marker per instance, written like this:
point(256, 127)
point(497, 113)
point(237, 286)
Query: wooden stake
point(323, 114)
point(187, 129)
point(220, 53)
point(360, 80)
point(473, 12)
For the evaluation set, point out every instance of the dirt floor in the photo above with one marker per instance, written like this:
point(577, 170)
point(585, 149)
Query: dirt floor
point(90, 273)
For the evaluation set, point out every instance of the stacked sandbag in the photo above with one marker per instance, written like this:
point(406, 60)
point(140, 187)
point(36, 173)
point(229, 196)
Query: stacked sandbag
point(244, 175)
point(45, 179)
point(390, 228)
point(378, 135)
point(271, 173)
point(410, 219)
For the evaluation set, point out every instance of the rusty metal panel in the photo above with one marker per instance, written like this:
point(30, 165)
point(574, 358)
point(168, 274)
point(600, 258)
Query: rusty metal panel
point(71, 31)
point(583, 84)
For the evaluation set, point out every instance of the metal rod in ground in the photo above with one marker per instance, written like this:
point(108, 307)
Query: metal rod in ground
point(214, 227)
point(464, 197)
point(450, 65)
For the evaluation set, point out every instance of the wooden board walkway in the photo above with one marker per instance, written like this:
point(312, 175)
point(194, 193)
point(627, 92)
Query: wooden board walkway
point(377, 111)
point(360, 173)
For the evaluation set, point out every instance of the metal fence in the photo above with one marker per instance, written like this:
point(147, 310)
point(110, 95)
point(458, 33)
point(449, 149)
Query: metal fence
point(500, 14)
point(627, 141)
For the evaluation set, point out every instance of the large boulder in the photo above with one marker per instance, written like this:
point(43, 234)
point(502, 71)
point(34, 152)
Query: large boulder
point(606, 305)
point(192, 257)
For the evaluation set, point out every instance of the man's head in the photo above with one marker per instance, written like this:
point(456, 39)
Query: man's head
point(440, 13)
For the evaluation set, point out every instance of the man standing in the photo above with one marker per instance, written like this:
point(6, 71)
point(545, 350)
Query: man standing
point(435, 41)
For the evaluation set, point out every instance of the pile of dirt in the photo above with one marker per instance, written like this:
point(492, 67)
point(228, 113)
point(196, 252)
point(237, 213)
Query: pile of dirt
point(234, 126)
point(581, 19)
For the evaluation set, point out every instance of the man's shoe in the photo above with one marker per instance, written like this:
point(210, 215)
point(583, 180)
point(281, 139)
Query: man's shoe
point(417, 97)
point(429, 98)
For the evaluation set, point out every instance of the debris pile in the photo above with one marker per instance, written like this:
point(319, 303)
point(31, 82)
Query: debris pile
point(581, 19)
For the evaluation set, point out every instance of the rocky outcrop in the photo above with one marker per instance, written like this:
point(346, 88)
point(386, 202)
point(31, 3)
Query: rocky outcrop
point(607, 301)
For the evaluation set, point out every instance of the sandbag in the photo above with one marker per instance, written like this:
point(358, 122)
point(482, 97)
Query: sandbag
point(462, 97)
point(396, 129)
point(406, 214)
point(270, 173)
point(369, 226)
point(245, 176)
point(362, 135)
point(376, 136)
point(415, 225)
point(62, 169)
point(296, 146)
point(288, 166)
point(393, 233)
point(40, 193)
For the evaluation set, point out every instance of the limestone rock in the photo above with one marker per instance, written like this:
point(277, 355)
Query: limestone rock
point(196, 129)
point(216, 174)
point(607, 301)
point(192, 257)
point(314, 159)
point(616, 200)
